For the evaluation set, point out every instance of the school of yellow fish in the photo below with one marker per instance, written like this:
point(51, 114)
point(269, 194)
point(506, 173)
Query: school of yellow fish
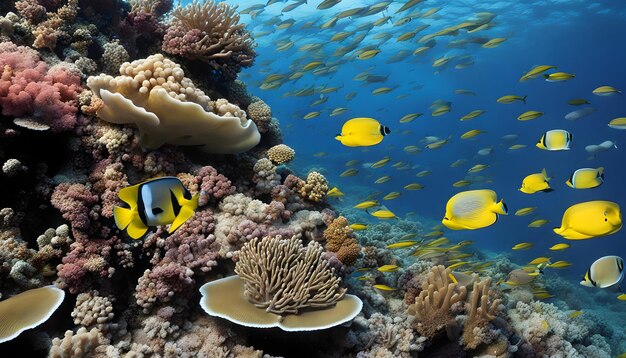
point(411, 25)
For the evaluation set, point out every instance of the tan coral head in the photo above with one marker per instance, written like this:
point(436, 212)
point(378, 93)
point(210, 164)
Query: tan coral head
point(225, 298)
point(28, 310)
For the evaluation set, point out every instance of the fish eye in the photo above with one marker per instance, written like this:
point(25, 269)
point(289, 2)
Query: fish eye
point(605, 219)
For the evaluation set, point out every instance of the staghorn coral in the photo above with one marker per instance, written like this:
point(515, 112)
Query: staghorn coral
point(28, 87)
point(432, 306)
point(81, 344)
point(284, 277)
point(280, 154)
point(340, 239)
point(210, 32)
point(480, 314)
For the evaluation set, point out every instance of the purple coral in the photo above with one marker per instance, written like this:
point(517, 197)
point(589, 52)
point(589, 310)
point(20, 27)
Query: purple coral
point(29, 88)
point(75, 202)
point(213, 185)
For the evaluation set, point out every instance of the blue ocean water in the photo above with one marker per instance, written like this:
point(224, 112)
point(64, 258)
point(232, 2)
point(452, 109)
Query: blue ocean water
point(584, 38)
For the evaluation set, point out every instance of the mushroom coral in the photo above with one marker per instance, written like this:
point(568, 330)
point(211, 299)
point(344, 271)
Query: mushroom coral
point(280, 283)
point(28, 310)
point(154, 94)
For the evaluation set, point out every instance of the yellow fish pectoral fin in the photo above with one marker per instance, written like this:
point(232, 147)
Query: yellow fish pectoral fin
point(453, 225)
point(571, 234)
point(129, 195)
point(184, 215)
point(123, 217)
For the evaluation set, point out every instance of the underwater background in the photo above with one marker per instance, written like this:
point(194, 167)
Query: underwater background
point(274, 239)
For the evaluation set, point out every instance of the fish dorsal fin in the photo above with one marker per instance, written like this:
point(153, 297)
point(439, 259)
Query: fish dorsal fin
point(129, 195)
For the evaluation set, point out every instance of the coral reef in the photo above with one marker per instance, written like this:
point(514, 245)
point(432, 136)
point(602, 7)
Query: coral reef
point(210, 32)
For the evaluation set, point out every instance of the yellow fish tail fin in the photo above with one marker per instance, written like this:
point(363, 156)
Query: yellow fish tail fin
point(501, 208)
point(544, 172)
point(185, 213)
point(123, 216)
point(136, 229)
point(129, 195)
point(601, 173)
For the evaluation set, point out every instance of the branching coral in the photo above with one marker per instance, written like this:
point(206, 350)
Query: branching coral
point(432, 306)
point(480, 314)
point(284, 277)
point(210, 32)
point(315, 188)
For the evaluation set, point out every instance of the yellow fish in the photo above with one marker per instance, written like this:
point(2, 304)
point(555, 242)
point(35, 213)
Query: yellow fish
point(311, 115)
point(423, 173)
point(555, 139)
point(606, 91)
point(388, 268)
point(473, 209)
point(402, 244)
point(461, 183)
point(155, 202)
point(590, 219)
point(558, 76)
point(335, 192)
point(391, 196)
point(383, 179)
point(511, 98)
point(338, 111)
point(535, 72)
point(523, 246)
point(362, 132)
point(312, 65)
point(472, 115)
point(539, 260)
point(457, 265)
point(618, 123)
point(606, 271)
point(525, 211)
point(412, 149)
point(528, 115)
point(536, 182)
point(558, 247)
point(381, 163)
point(383, 214)
point(358, 227)
point(622, 297)
point(351, 163)
point(543, 295)
point(575, 314)
point(586, 178)
point(409, 117)
point(493, 43)
point(538, 223)
point(384, 288)
point(349, 173)
point(366, 204)
point(560, 264)
point(413, 186)
point(471, 134)
point(441, 110)
point(381, 90)
point(478, 167)
point(577, 102)
point(366, 55)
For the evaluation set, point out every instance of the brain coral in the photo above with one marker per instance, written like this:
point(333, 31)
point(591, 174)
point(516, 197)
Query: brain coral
point(281, 153)
point(154, 94)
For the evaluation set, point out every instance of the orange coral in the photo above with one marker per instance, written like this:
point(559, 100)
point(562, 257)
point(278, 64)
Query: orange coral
point(340, 240)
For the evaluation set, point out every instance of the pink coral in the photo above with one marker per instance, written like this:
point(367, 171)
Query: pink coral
point(29, 88)
point(75, 202)
point(213, 185)
point(87, 256)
